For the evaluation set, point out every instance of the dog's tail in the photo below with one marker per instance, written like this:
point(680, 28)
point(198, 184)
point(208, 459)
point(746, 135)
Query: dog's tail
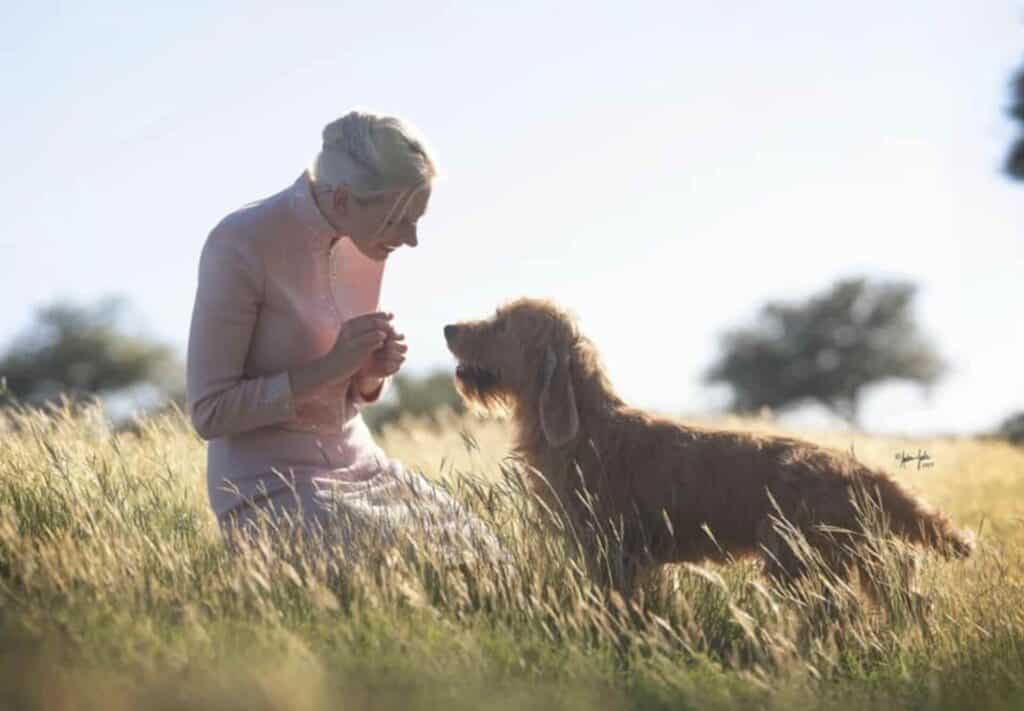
point(916, 521)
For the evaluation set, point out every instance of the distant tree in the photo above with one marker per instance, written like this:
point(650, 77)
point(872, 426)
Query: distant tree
point(1012, 429)
point(827, 349)
point(415, 395)
point(1015, 158)
point(77, 351)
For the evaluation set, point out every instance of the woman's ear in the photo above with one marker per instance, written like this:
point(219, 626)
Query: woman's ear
point(558, 417)
point(341, 198)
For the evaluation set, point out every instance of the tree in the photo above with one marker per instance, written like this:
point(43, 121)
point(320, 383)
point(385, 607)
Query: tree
point(1012, 429)
point(77, 352)
point(1015, 159)
point(827, 349)
point(415, 395)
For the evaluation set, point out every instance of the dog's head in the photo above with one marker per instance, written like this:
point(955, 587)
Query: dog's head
point(520, 359)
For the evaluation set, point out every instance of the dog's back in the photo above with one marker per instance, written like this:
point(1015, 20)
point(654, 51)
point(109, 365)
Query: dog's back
point(712, 490)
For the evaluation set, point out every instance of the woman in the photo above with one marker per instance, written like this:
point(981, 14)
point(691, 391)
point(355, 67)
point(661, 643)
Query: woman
point(287, 342)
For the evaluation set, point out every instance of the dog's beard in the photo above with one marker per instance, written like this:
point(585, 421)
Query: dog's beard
point(481, 390)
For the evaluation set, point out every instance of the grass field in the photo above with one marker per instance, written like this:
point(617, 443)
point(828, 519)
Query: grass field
point(116, 593)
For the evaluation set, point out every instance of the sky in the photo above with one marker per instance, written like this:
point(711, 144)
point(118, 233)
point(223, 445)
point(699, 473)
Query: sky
point(661, 169)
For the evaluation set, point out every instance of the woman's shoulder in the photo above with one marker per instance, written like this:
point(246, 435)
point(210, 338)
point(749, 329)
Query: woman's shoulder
point(251, 224)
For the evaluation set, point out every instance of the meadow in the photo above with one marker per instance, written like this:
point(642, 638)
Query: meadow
point(116, 592)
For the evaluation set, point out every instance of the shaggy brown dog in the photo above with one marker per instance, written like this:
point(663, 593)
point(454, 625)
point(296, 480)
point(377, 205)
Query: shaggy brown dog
point(656, 485)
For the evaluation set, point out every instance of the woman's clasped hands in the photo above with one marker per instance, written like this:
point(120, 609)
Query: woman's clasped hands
point(368, 345)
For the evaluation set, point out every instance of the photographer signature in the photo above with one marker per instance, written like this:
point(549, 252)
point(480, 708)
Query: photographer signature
point(923, 459)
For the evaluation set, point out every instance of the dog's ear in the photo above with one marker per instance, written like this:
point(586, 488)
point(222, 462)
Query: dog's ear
point(558, 417)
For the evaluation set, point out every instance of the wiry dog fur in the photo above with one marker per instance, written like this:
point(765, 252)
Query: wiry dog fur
point(662, 482)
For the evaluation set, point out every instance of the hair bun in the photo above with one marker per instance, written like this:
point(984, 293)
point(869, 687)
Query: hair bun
point(372, 153)
point(353, 133)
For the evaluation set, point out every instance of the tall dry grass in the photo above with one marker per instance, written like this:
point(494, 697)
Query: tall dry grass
point(116, 592)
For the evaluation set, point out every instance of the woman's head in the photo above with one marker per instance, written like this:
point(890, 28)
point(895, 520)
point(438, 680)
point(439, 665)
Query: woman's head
point(372, 178)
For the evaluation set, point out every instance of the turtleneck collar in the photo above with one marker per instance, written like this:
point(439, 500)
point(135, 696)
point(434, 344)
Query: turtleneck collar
point(300, 199)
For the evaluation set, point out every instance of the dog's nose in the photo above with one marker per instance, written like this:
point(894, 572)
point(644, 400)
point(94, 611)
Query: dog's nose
point(449, 332)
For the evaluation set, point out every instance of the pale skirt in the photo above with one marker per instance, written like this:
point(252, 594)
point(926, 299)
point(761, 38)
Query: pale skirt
point(356, 512)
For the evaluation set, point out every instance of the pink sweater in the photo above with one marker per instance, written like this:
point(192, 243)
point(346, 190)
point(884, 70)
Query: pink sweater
point(275, 286)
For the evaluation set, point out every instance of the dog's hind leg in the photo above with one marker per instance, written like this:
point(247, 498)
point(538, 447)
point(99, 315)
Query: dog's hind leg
point(781, 563)
point(890, 581)
point(793, 555)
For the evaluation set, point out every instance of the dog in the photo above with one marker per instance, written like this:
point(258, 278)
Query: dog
point(668, 492)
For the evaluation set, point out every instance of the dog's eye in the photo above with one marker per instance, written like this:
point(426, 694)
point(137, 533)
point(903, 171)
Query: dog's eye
point(502, 325)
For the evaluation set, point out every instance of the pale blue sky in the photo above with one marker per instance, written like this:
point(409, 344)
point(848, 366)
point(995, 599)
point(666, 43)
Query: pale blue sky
point(660, 168)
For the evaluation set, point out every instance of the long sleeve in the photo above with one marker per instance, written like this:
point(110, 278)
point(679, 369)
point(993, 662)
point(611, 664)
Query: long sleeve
point(356, 397)
point(221, 400)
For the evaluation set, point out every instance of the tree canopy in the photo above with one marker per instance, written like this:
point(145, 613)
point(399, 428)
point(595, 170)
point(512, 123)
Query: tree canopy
point(76, 351)
point(1015, 158)
point(416, 396)
point(827, 349)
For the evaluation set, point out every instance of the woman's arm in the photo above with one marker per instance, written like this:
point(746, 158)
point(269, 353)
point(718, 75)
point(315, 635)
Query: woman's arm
point(368, 387)
point(229, 295)
point(368, 383)
point(357, 339)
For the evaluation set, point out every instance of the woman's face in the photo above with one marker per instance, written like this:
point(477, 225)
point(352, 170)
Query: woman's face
point(381, 226)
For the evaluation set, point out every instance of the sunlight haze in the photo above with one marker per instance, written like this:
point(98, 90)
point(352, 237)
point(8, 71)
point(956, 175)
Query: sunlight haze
point(662, 169)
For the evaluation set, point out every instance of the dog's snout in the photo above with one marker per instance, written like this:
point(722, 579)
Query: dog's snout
point(449, 332)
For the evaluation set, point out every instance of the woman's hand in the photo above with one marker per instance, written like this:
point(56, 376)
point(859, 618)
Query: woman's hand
point(386, 360)
point(357, 340)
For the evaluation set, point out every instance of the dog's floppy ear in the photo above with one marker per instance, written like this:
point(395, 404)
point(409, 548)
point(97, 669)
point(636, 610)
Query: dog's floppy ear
point(558, 417)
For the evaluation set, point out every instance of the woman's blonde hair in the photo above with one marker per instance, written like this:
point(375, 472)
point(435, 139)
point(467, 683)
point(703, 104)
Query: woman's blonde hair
point(372, 154)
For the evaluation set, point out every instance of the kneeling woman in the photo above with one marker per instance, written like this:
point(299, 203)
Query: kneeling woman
point(287, 343)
